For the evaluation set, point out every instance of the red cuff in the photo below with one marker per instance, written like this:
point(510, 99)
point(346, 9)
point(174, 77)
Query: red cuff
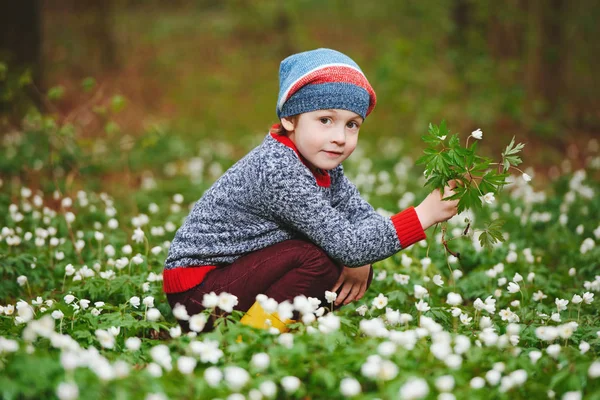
point(408, 227)
point(180, 279)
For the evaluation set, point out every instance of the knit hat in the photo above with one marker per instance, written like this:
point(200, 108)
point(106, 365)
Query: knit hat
point(323, 79)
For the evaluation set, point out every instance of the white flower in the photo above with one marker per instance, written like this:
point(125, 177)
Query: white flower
point(517, 277)
point(69, 270)
point(513, 287)
point(236, 377)
point(134, 301)
point(534, 356)
point(69, 298)
point(162, 356)
point(454, 299)
point(420, 291)
point(213, 376)
point(137, 259)
point(380, 301)
point(526, 177)
point(186, 365)
point(67, 391)
point(553, 350)
point(425, 262)
point(488, 198)
point(555, 317)
point(350, 387)
point(268, 389)
point(392, 316)
point(210, 300)
point(154, 370)
point(493, 377)
point(414, 388)
point(477, 382)
point(105, 338)
point(401, 279)
point(539, 295)
point(84, 303)
point(286, 340)
point(477, 134)
point(290, 384)
point(362, 310)
point(588, 297)
point(260, 361)
point(197, 322)
point(180, 312)
point(57, 314)
point(156, 250)
point(572, 395)
point(227, 301)
point(584, 347)
point(465, 319)
point(22, 280)
point(148, 301)
point(329, 323)
point(485, 322)
point(445, 383)
point(437, 279)
point(594, 370)
point(153, 314)
point(138, 235)
point(561, 304)
point(133, 343)
point(175, 331)
point(422, 306)
point(330, 296)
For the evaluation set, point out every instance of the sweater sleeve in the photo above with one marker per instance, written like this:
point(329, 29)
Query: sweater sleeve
point(294, 200)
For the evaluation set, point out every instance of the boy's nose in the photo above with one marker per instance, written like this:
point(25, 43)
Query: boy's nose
point(339, 137)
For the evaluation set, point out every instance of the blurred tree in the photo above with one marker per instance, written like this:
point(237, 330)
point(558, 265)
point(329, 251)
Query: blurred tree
point(20, 51)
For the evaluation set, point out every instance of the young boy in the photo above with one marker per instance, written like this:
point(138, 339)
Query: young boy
point(284, 220)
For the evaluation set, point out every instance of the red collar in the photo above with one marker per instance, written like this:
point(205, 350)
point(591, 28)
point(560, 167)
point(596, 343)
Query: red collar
point(321, 176)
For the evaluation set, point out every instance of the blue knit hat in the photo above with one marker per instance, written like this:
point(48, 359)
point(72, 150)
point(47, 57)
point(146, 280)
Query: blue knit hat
point(323, 79)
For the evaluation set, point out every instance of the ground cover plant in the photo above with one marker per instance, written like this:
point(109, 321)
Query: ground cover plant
point(82, 313)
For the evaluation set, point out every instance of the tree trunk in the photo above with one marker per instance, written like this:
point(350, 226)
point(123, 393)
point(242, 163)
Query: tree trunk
point(21, 39)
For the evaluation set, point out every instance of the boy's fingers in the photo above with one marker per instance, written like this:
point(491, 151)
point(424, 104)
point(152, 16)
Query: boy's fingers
point(352, 296)
point(361, 292)
point(338, 283)
point(343, 294)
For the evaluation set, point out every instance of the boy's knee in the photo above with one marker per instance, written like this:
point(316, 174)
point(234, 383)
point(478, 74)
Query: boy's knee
point(316, 260)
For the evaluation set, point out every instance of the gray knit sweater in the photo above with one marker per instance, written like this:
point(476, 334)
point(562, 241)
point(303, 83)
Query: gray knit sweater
point(269, 196)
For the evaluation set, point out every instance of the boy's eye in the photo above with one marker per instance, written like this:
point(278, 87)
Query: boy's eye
point(352, 125)
point(324, 120)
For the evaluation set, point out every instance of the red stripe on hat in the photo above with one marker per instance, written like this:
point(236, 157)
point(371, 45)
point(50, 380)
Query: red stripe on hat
point(336, 74)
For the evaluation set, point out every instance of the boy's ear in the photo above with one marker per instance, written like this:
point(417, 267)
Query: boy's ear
point(287, 124)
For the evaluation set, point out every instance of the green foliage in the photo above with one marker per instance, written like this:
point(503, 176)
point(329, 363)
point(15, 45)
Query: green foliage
point(445, 160)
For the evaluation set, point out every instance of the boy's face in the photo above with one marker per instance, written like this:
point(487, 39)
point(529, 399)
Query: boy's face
point(325, 138)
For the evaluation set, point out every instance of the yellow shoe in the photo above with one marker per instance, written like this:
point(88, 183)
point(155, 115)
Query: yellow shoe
point(257, 317)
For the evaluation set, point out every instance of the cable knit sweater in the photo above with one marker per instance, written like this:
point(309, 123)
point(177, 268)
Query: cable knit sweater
point(271, 195)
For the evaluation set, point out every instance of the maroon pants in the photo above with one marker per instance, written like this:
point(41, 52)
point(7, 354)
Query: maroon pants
point(281, 271)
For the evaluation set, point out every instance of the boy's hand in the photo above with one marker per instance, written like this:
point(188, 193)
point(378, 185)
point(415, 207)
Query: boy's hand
point(354, 284)
point(433, 209)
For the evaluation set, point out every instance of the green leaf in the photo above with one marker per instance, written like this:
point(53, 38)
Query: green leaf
point(88, 84)
point(56, 93)
point(117, 103)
